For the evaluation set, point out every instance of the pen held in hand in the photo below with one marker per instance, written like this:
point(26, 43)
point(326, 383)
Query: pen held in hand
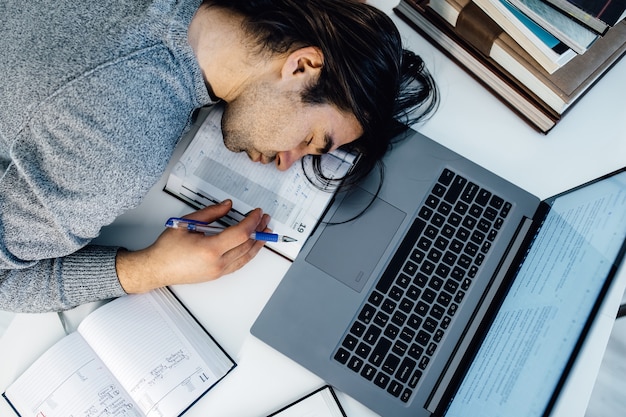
point(210, 230)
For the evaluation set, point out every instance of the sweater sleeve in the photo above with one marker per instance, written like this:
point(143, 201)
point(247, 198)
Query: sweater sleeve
point(87, 154)
point(61, 283)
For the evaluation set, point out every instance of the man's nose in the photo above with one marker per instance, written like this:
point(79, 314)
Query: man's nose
point(285, 159)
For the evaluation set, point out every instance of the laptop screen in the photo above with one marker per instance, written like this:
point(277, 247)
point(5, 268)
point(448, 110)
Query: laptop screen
point(538, 327)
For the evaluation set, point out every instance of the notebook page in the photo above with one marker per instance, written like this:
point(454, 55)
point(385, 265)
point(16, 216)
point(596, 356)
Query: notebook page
point(69, 379)
point(149, 355)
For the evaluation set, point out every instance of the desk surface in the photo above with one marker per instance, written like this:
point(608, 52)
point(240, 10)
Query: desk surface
point(588, 142)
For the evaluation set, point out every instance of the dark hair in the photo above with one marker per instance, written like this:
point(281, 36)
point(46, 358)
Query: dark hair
point(366, 71)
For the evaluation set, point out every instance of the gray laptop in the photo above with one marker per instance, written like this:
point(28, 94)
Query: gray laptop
point(455, 294)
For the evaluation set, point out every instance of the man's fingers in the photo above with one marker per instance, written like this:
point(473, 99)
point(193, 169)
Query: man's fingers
point(237, 257)
point(211, 213)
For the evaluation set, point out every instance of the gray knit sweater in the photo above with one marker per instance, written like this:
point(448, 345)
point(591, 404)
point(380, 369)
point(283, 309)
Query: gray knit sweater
point(93, 99)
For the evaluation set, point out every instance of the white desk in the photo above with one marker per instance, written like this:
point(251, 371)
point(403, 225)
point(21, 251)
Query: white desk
point(588, 142)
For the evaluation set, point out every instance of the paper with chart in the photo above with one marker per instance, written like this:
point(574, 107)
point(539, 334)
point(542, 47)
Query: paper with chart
point(208, 173)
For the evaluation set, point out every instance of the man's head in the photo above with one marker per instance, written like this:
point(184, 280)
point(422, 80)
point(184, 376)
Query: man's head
point(345, 81)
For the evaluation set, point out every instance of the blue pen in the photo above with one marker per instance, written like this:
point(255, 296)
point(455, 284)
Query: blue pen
point(209, 230)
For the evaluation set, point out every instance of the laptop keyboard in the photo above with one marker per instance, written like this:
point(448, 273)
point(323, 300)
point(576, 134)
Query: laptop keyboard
point(397, 331)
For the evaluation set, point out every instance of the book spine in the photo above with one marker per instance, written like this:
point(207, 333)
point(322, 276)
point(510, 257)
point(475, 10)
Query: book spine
point(478, 31)
point(582, 16)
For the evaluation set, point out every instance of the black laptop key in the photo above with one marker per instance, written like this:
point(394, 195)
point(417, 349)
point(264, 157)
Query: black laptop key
point(405, 370)
point(437, 311)
point(413, 292)
point(415, 378)
point(483, 197)
point(456, 187)
point(414, 321)
point(367, 313)
point(425, 213)
point(422, 308)
point(429, 296)
point(342, 356)
point(430, 325)
point(402, 253)
point(439, 190)
point(372, 334)
point(357, 329)
point(363, 350)
point(396, 293)
point(415, 351)
point(469, 192)
point(475, 210)
point(406, 395)
point(432, 201)
point(388, 306)
point(407, 335)
point(355, 363)
point(496, 202)
point(446, 177)
point(506, 208)
point(403, 280)
point(380, 351)
point(391, 364)
point(376, 298)
point(420, 280)
point(418, 256)
point(422, 337)
point(381, 319)
point(350, 342)
point(395, 388)
point(400, 348)
point(392, 331)
point(381, 380)
point(490, 213)
point(427, 268)
point(444, 208)
point(368, 372)
point(438, 335)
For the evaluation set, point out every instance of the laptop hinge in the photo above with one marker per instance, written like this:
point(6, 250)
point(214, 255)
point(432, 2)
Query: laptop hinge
point(447, 377)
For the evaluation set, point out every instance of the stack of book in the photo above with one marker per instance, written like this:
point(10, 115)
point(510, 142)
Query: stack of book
point(538, 56)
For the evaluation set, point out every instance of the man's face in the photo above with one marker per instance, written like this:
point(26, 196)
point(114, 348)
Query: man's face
point(274, 125)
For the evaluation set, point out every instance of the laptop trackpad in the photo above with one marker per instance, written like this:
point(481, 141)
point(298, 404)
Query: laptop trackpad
point(350, 251)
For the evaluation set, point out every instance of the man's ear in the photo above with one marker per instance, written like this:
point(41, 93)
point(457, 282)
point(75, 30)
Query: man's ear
point(303, 63)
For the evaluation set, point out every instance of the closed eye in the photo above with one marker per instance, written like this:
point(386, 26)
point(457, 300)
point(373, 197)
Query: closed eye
point(328, 145)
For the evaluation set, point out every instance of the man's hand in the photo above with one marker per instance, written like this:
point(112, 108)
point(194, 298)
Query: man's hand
point(181, 257)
